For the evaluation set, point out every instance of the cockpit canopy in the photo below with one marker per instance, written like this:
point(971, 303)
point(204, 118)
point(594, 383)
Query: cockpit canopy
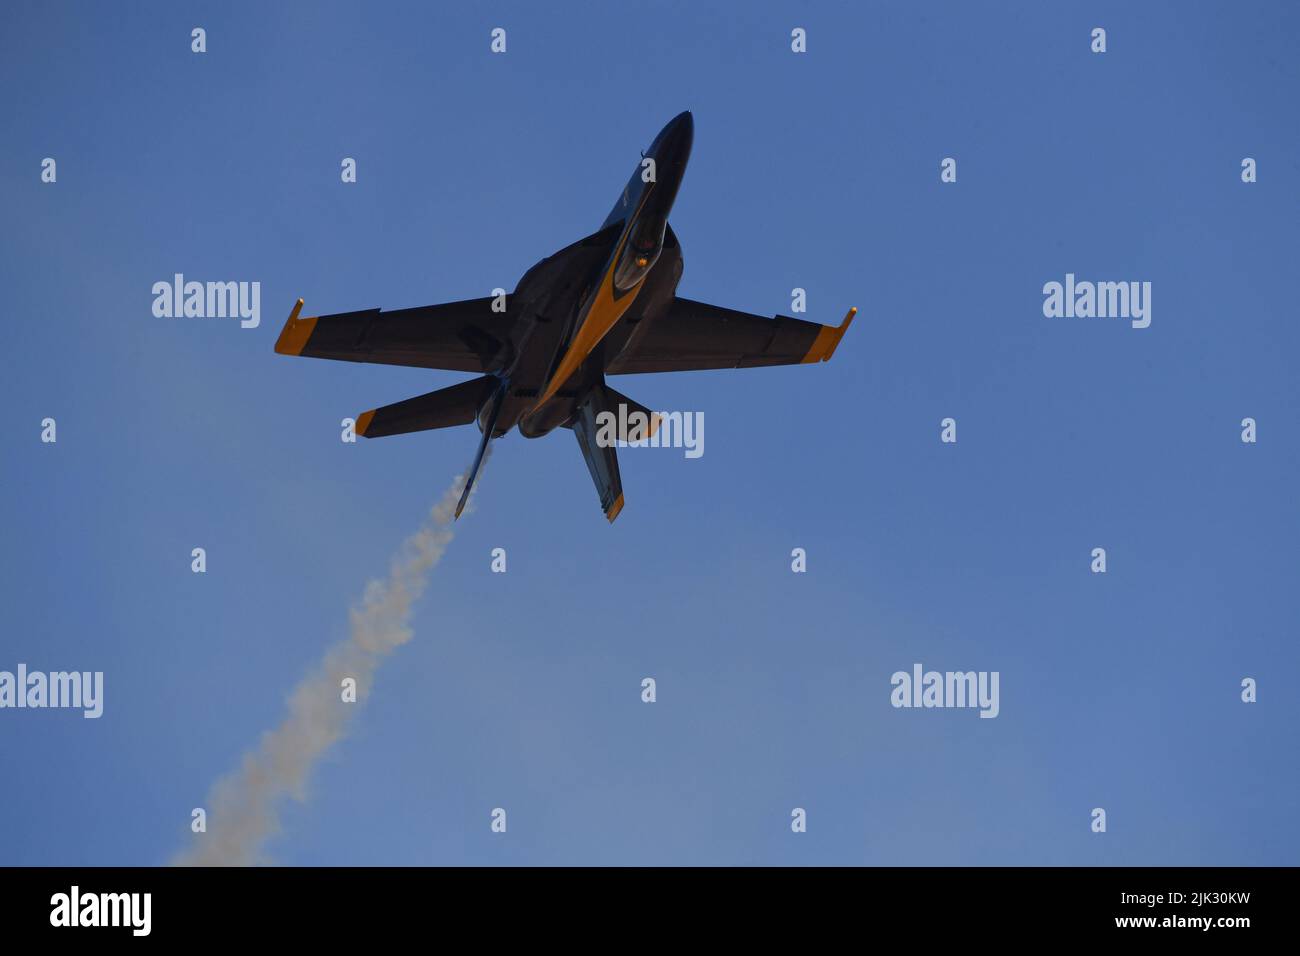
point(641, 252)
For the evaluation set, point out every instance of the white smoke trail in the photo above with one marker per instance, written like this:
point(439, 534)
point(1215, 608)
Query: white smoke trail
point(243, 806)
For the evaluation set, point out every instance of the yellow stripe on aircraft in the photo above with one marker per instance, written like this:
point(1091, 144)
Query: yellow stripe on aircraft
point(602, 315)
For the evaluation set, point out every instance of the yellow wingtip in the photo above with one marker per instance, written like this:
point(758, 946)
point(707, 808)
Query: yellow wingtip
point(615, 508)
point(828, 339)
point(293, 337)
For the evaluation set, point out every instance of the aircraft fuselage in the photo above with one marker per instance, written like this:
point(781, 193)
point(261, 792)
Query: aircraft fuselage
point(582, 306)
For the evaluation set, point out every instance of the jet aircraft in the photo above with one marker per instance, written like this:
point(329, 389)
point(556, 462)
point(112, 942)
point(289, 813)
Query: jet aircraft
point(605, 305)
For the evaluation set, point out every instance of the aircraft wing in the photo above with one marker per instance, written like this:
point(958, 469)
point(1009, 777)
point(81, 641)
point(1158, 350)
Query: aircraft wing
point(694, 335)
point(456, 336)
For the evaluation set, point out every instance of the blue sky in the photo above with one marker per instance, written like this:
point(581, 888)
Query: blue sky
point(522, 690)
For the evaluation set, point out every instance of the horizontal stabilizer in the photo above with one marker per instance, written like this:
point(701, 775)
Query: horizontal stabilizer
point(454, 405)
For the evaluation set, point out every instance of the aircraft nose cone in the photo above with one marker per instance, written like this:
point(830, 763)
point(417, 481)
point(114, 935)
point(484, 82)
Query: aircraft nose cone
point(677, 132)
point(671, 150)
point(678, 136)
point(684, 128)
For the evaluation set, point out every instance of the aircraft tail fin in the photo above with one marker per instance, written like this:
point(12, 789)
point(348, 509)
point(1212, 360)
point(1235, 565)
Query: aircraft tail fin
point(635, 421)
point(602, 460)
point(454, 405)
point(489, 426)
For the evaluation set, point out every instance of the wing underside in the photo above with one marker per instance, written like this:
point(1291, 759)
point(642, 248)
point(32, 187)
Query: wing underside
point(465, 336)
point(694, 335)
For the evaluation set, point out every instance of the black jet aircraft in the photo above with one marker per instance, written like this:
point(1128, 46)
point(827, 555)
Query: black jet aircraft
point(606, 305)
